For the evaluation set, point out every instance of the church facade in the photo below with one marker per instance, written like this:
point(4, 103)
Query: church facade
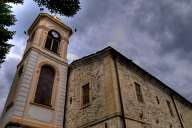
point(101, 90)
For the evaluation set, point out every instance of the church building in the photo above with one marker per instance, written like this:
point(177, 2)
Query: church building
point(101, 90)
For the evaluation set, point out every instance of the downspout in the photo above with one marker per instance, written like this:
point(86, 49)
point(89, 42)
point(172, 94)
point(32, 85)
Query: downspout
point(177, 112)
point(119, 91)
point(66, 95)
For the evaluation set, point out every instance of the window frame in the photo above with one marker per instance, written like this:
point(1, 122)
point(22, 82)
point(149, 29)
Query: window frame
point(58, 45)
point(50, 105)
point(139, 92)
point(84, 105)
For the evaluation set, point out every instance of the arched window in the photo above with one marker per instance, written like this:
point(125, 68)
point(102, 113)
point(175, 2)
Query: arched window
point(52, 41)
point(45, 85)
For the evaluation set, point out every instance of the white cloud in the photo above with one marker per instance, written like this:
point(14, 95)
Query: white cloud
point(2, 102)
point(71, 57)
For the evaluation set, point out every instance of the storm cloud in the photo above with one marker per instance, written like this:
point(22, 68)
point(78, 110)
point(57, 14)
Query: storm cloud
point(155, 34)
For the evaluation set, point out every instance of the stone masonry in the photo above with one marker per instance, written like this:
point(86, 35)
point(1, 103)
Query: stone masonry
point(107, 71)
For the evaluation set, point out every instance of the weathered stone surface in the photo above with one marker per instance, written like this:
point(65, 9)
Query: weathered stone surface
point(150, 114)
point(103, 105)
point(99, 71)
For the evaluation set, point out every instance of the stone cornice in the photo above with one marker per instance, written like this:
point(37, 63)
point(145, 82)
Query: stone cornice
point(56, 20)
point(32, 123)
point(52, 57)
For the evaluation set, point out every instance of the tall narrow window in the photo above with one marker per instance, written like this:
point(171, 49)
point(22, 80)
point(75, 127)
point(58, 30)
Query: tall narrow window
point(139, 92)
point(170, 108)
point(45, 85)
point(86, 94)
point(106, 126)
point(52, 41)
point(157, 99)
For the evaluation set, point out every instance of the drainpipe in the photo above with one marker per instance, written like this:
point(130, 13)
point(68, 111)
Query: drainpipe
point(119, 91)
point(66, 95)
point(177, 112)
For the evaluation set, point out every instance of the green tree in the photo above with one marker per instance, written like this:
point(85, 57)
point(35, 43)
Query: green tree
point(6, 20)
point(62, 7)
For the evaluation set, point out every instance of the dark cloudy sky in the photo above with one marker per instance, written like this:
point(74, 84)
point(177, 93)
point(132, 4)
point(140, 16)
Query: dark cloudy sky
point(155, 34)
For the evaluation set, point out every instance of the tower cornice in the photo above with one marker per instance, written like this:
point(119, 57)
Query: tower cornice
point(42, 53)
point(54, 19)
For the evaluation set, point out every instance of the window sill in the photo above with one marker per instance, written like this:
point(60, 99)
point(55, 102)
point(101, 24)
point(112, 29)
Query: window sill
point(57, 54)
point(43, 106)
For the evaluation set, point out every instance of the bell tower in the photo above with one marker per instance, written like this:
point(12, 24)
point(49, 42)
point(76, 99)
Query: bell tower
point(37, 95)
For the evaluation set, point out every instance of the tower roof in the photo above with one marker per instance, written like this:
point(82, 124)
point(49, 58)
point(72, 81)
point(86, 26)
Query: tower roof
point(52, 18)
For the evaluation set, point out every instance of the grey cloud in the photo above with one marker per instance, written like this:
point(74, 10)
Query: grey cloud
point(148, 32)
point(2, 102)
point(7, 73)
point(8, 70)
point(25, 15)
point(169, 22)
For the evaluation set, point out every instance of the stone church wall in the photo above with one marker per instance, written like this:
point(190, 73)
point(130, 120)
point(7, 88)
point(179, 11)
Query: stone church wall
point(153, 112)
point(103, 110)
point(160, 108)
point(185, 112)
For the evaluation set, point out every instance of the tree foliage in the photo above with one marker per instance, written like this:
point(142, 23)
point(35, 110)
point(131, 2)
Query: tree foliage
point(6, 20)
point(62, 7)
